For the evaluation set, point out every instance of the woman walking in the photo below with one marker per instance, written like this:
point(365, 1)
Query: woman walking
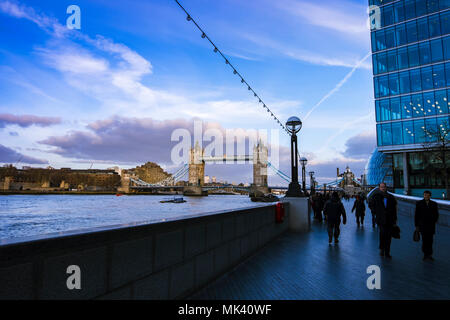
point(360, 208)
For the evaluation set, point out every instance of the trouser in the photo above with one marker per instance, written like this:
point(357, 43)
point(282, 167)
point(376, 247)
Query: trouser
point(385, 238)
point(333, 230)
point(427, 243)
point(360, 220)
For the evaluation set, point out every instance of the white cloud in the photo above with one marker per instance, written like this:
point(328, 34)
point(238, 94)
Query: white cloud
point(330, 15)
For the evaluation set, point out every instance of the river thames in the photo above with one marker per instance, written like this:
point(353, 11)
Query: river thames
point(32, 215)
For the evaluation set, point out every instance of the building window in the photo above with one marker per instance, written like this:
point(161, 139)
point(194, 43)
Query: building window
point(413, 54)
point(393, 84)
point(402, 57)
point(424, 53)
point(408, 132)
point(436, 50)
point(399, 12)
point(416, 82)
point(411, 31)
point(417, 104)
point(379, 36)
point(390, 37)
point(386, 134)
point(400, 35)
point(427, 78)
point(429, 105)
point(445, 22)
point(397, 137)
point(385, 110)
point(422, 29)
point(438, 76)
point(388, 13)
point(410, 11)
point(383, 83)
point(397, 159)
point(396, 113)
point(404, 82)
point(440, 103)
point(419, 131)
point(382, 63)
point(434, 27)
point(430, 130)
point(392, 60)
point(444, 4)
point(446, 46)
point(407, 110)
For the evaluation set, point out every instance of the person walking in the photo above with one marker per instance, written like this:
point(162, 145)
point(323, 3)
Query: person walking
point(425, 219)
point(385, 207)
point(372, 210)
point(360, 208)
point(333, 211)
point(320, 205)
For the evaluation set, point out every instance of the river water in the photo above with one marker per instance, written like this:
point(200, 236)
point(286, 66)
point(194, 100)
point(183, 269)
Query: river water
point(32, 215)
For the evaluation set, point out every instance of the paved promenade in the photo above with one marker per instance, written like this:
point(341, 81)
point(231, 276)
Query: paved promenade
point(305, 266)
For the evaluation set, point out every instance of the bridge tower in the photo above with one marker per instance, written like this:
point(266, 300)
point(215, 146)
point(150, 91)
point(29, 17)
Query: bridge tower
point(260, 159)
point(196, 172)
point(196, 166)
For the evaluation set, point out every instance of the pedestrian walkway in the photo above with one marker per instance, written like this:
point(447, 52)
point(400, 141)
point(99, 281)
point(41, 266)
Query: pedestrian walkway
point(305, 266)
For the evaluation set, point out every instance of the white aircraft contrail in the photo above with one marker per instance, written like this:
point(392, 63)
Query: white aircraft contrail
point(339, 85)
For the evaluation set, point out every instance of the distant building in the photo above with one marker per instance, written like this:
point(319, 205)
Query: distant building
point(349, 183)
point(214, 180)
point(207, 179)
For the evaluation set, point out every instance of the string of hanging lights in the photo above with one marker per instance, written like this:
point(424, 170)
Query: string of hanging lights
point(235, 71)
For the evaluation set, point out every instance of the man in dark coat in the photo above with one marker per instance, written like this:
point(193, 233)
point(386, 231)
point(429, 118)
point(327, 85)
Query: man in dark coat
point(360, 208)
point(333, 211)
point(425, 219)
point(385, 207)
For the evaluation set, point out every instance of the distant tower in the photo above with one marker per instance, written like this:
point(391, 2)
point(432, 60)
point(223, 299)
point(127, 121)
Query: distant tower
point(196, 166)
point(260, 157)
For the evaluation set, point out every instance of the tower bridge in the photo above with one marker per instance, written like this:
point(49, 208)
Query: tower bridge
point(195, 170)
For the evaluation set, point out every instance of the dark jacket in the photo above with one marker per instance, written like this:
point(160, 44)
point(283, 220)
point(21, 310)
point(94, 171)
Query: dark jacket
point(426, 216)
point(360, 207)
point(334, 209)
point(385, 215)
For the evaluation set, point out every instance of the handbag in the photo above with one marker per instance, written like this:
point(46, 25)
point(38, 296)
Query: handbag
point(416, 236)
point(396, 232)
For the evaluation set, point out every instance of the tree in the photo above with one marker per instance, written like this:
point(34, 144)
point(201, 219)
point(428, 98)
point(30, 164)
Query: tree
point(437, 145)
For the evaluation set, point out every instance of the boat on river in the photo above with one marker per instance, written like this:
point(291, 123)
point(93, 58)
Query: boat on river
point(173, 200)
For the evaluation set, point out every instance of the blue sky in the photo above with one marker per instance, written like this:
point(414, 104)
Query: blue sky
point(138, 69)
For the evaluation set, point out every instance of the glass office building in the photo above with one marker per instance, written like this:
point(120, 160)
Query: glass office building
point(411, 73)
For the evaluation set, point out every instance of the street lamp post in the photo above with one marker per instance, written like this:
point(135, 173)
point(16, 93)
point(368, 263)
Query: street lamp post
point(294, 125)
point(303, 161)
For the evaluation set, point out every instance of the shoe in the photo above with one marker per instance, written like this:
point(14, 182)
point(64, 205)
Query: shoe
point(336, 241)
point(387, 255)
point(382, 252)
point(330, 240)
point(431, 258)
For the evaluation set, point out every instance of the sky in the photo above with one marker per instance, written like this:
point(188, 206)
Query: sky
point(113, 91)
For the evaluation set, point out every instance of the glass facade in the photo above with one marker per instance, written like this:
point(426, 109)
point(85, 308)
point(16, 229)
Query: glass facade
point(411, 78)
point(376, 170)
point(411, 67)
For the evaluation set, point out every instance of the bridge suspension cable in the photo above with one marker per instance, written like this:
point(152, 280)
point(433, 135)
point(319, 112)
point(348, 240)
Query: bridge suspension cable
point(282, 175)
point(235, 71)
